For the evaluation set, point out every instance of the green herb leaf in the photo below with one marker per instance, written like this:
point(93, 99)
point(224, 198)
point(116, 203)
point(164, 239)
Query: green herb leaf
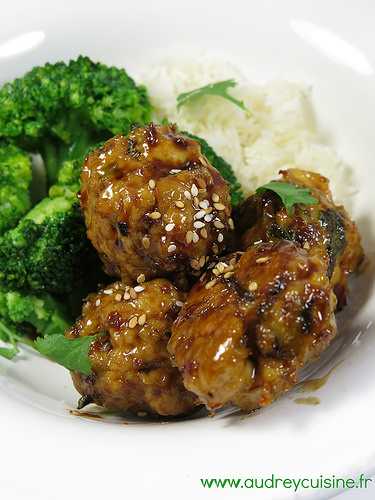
point(8, 352)
point(8, 335)
point(219, 89)
point(72, 354)
point(290, 194)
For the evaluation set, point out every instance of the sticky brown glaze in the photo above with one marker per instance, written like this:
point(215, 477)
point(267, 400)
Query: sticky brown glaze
point(154, 205)
point(251, 323)
point(325, 230)
point(130, 362)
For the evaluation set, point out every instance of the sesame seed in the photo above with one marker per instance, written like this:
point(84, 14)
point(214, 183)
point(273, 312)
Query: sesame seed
point(187, 195)
point(133, 322)
point(195, 237)
point(118, 297)
point(306, 245)
point(204, 233)
point(126, 296)
point(169, 227)
point(179, 204)
point(228, 274)
point(141, 414)
point(196, 202)
point(215, 198)
point(89, 322)
point(210, 284)
point(219, 206)
point(261, 260)
point(200, 214)
point(194, 263)
point(208, 217)
point(179, 303)
point(108, 292)
point(189, 237)
point(253, 285)
point(231, 223)
point(220, 237)
point(202, 261)
point(198, 224)
point(138, 289)
point(233, 261)
point(215, 248)
point(141, 278)
point(142, 320)
point(97, 303)
point(172, 248)
point(204, 204)
point(145, 242)
point(133, 293)
point(155, 215)
point(216, 272)
point(175, 171)
point(218, 224)
point(151, 184)
point(221, 266)
point(194, 190)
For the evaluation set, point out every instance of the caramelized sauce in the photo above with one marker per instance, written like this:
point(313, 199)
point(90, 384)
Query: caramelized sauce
point(311, 400)
point(316, 383)
point(86, 414)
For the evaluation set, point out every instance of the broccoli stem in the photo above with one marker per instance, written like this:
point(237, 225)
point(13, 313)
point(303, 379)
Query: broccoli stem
point(51, 160)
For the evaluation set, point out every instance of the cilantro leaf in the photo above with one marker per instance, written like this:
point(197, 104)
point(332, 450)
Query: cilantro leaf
point(290, 194)
point(8, 335)
point(8, 352)
point(72, 354)
point(219, 89)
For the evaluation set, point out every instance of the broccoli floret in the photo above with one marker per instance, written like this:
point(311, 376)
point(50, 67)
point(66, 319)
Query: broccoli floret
point(15, 180)
point(68, 181)
point(47, 250)
point(42, 312)
point(221, 166)
point(59, 110)
point(24, 315)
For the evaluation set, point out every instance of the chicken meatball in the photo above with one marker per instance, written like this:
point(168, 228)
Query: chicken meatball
point(154, 205)
point(251, 323)
point(325, 230)
point(131, 370)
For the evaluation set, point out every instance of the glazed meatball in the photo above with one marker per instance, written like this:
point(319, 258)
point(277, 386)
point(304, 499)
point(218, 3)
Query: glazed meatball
point(251, 323)
point(325, 230)
point(154, 205)
point(131, 370)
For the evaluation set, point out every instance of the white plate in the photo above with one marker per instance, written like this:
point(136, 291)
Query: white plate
point(47, 453)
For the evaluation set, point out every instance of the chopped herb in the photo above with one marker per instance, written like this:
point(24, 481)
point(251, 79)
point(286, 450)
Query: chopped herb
point(290, 194)
point(8, 352)
point(72, 354)
point(8, 335)
point(219, 89)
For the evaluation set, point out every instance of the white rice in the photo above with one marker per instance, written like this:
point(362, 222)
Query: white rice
point(279, 132)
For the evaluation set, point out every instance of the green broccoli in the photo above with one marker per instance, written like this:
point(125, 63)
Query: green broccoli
point(15, 180)
point(23, 315)
point(222, 167)
point(46, 250)
point(68, 181)
point(59, 110)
